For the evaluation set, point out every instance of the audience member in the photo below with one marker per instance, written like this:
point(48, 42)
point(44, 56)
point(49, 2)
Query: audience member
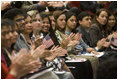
point(21, 60)
point(98, 26)
point(49, 38)
point(111, 24)
point(85, 21)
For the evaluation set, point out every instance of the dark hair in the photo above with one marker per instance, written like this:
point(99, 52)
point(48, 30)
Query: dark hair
point(26, 15)
point(99, 11)
point(12, 13)
point(58, 13)
point(75, 10)
point(95, 20)
point(51, 31)
point(44, 15)
point(82, 15)
point(56, 16)
point(114, 28)
point(7, 23)
point(69, 14)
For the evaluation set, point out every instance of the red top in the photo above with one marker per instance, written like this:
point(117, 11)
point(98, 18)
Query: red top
point(5, 70)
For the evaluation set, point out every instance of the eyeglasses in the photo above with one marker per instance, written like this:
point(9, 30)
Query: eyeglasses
point(21, 19)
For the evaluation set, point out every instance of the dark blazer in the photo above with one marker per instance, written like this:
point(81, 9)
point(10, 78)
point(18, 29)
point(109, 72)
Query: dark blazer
point(96, 33)
point(85, 35)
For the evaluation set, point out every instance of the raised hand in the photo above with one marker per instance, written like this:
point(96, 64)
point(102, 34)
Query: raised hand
point(106, 44)
point(5, 5)
point(37, 41)
point(43, 3)
point(55, 4)
point(100, 43)
point(65, 42)
point(23, 63)
point(77, 37)
point(59, 51)
point(48, 55)
point(110, 36)
point(74, 38)
point(38, 51)
point(115, 35)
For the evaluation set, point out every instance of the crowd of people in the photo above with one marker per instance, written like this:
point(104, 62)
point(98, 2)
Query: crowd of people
point(39, 35)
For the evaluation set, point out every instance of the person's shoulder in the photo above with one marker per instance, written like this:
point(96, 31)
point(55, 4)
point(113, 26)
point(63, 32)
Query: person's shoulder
point(94, 26)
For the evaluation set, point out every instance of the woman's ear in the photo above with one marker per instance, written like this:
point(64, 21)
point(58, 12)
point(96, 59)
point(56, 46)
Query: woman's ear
point(96, 17)
point(80, 22)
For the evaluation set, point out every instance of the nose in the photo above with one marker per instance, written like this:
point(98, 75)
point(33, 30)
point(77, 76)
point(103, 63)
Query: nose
point(74, 21)
point(29, 24)
point(112, 21)
point(89, 21)
point(63, 21)
point(105, 18)
point(10, 34)
point(15, 33)
point(45, 24)
point(38, 22)
point(23, 21)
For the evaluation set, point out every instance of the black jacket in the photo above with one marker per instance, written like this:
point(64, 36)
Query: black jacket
point(85, 35)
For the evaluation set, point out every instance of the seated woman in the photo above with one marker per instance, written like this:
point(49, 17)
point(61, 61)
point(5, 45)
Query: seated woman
point(24, 41)
point(111, 24)
point(98, 26)
point(20, 63)
point(58, 63)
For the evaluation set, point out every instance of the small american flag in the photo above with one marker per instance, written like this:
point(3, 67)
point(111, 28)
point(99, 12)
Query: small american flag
point(48, 41)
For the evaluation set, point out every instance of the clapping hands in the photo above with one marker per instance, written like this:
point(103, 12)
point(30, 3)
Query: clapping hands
point(53, 53)
point(59, 51)
point(23, 63)
point(71, 40)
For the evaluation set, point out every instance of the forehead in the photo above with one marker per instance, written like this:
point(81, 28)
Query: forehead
point(51, 17)
point(28, 18)
point(37, 15)
point(72, 17)
point(103, 13)
point(111, 16)
point(45, 19)
point(62, 16)
point(87, 17)
point(19, 16)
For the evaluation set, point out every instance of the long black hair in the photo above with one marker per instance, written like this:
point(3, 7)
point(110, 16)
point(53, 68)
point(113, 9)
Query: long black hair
point(51, 31)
